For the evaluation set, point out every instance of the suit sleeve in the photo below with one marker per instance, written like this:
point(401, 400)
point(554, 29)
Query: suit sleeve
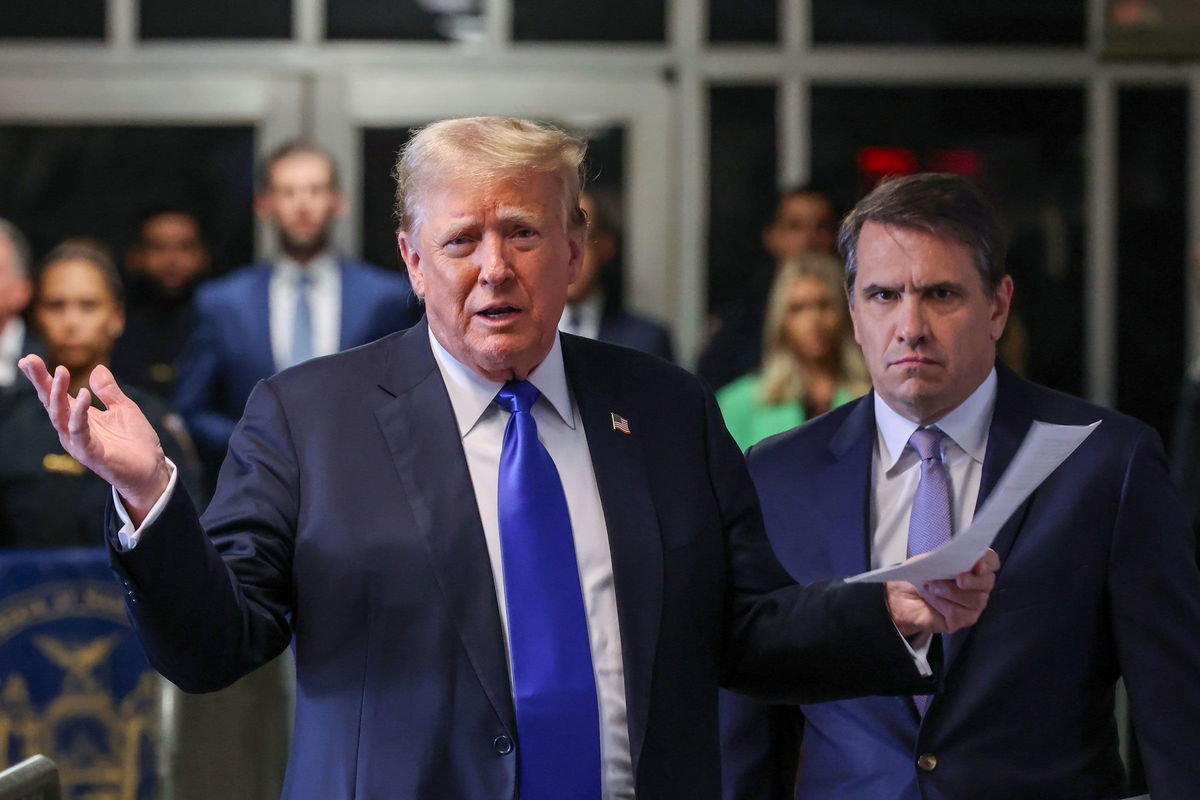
point(211, 603)
point(760, 748)
point(198, 386)
point(1154, 587)
point(787, 643)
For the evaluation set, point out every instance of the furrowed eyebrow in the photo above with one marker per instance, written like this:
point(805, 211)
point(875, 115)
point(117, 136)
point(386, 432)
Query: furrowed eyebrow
point(872, 288)
point(520, 216)
point(458, 228)
point(942, 285)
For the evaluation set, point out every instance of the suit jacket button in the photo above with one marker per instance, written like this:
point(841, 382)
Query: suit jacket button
point(927, 762)
point(503, 745)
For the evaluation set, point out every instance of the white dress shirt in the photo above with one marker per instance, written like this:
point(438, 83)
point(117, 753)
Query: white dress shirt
point(583, 318)
point(481, 423)
point(896, 469)
point(12, 339)
point(325, 304)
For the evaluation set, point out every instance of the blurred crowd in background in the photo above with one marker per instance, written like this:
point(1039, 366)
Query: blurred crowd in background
point(189, 347)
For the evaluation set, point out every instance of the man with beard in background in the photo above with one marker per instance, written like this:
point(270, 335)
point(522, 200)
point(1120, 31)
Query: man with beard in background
point(307, 301)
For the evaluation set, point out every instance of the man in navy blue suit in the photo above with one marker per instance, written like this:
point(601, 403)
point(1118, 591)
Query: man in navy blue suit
point(397, 508)
point(1099, 578)
point(593, 309)
point(306, 302)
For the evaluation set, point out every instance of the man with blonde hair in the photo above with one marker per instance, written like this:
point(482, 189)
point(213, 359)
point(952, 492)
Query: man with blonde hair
point(515, 563)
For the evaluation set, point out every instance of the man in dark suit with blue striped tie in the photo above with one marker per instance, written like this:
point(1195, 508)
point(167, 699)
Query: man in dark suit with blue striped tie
point(514, 562)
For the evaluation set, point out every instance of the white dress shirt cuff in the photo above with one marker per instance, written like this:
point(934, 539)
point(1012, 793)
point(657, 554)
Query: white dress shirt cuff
point(919, 652)
point(129, 534)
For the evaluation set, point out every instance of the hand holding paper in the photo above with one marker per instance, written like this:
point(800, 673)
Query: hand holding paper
point(943, 606)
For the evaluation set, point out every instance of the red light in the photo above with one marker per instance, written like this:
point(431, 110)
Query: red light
point(968, 163)
point(887, 161)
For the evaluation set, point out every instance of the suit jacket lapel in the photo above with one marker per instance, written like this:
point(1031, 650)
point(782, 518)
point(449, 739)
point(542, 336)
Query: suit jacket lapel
point(418, 423)
point(849, 520)
point(1011, 420)
point(849, 478)
point(634, 538)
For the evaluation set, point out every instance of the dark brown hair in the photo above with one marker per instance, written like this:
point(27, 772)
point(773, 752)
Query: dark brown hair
point(940, 204)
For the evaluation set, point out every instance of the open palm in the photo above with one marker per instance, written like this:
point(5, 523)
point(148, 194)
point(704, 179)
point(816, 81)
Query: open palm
point(117, 443)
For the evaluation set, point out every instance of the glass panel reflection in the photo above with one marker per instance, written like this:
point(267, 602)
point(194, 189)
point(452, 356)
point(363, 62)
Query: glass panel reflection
point(1062, 22)
point(742, 187)
point(589, 21)
point(435, 20)
point(743, 20)
point(52, 19)
point(215, 19)
point(1151, 252)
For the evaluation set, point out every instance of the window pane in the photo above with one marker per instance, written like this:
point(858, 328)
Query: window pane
point(743, 20)
point(1162, 29)
point(1151, 252)
point(216, 19)
point(95, 181)
point(1062, 22)
point(1023, 146)
point(741, 187)
point(403, 19)
point(589, 21)
point(52, 19)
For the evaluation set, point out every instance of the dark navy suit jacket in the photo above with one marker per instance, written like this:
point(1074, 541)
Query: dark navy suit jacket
point(631, 330)
point(230, 348)
point(345, 515)
point(1098, 580)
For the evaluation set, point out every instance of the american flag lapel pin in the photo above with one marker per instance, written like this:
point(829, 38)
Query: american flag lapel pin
point(619, 423)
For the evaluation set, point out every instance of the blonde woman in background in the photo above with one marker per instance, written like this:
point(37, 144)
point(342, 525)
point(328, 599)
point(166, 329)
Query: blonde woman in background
point(810, 361)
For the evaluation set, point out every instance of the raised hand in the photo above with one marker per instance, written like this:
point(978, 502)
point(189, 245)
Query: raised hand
point(118, 443)
point(943, 606)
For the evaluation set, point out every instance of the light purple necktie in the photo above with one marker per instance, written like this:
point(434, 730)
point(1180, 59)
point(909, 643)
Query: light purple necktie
point(930, 525)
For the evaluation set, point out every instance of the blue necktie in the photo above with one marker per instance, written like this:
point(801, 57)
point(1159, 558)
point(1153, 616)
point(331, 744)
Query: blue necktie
point(302, 327)
point(931, 523)
point(554, 688)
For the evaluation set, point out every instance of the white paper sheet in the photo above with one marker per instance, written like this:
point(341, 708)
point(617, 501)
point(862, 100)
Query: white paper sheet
point(1045, 447)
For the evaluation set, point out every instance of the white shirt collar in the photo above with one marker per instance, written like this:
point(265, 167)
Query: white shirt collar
point(471, 394)
point(320, 266)
point(967, 425)
point(12, 341)
point(12, 336)
point(586, 313)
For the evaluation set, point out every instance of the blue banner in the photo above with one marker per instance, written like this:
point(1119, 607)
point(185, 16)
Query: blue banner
point(74, 682)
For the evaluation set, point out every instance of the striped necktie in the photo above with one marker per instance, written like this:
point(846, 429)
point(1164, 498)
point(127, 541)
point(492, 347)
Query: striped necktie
point(931, 523)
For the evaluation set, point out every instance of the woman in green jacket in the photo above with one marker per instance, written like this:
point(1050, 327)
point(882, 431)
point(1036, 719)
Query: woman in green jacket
point(810, 361)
